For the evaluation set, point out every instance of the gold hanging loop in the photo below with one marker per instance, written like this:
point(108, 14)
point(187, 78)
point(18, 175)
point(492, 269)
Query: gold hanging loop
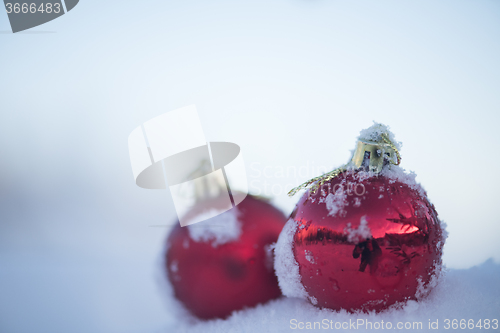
point(370, 154)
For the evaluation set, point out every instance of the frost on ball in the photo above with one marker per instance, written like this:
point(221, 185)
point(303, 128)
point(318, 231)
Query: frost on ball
point(224, 228)
point(285, 264)
point(382, 252)
point(367, 239)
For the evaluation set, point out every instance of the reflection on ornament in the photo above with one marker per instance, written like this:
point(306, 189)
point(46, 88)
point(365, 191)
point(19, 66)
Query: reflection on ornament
point(361, 252)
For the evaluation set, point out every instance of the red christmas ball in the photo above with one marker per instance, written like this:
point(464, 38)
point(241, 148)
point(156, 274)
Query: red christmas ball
point(361, 242)
point(223, 264)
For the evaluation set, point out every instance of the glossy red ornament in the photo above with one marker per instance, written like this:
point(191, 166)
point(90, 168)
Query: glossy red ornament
point(366, 241)
point(213, 281)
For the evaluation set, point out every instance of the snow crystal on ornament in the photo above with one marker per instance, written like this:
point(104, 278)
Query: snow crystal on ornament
point(287, 269)
point(309, 257)
point(219, 230)
point(374, 133)
point(397, 173)
point(423, 290)
point(335, 202)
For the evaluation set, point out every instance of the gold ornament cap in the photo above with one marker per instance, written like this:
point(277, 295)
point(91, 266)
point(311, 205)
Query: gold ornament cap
point(376, 148)
point(374, 155)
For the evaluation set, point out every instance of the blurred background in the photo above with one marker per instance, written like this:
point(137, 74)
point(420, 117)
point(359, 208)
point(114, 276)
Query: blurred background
point(291, 82)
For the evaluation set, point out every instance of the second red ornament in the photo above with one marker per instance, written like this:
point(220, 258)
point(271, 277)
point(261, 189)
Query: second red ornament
point(223, 264)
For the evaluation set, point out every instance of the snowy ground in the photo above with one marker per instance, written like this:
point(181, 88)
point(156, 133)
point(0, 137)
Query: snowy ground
point(463, 294)
point(71, 295)
point(79, 240)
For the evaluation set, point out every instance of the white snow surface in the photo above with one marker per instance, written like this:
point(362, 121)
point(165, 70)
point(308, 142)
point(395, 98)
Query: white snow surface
point(285, 265)
point(219, 230)
point(461, 294)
